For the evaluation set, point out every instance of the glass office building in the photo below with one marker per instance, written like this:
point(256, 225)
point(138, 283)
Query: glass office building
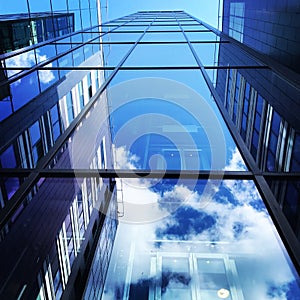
point(270, 27)
point(128, 176)
point(19, 31)
point(51, 225)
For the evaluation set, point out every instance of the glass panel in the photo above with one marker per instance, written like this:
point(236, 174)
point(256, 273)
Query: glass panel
point(86, 18)
point(172, 126)
point(12, 8)
point(48, 77)
point(113, 53)
point(26, 59)
point(59, 5)
point(121, 37)
point(164, 36)
point(38, 6)
point(213, 239)
point(5, 107)
point(202, 36)
point(129, 27)
point(164, 28)
point(24, 90)
point(207, 52)
point(161, 55)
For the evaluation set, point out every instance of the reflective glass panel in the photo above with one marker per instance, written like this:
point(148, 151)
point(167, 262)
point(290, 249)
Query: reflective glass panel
point(202, 36)
point(213, 239)
point(24, 89)
point(161, 55)
point(164, 36)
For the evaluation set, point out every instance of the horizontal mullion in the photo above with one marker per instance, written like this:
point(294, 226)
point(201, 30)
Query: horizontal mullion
point(134, 173)
point(143, 42)
point(124, 173)
point(84, 68)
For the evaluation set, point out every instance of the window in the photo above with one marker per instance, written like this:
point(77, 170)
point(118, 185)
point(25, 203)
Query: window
point(55, 122)
point(36, 142)
point(236, 20)
point(273, 140)
point(257, 126)
point(70, 108)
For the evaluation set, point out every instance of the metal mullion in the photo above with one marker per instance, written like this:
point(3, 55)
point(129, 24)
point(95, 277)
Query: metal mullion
point(132, 173)
point(32, 179)
point(85, 68)
point(280, 221)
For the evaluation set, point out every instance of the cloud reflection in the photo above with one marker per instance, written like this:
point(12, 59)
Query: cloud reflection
point(29, 59)
point(233, 224)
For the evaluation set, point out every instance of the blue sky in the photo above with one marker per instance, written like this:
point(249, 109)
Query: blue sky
point(205, 10)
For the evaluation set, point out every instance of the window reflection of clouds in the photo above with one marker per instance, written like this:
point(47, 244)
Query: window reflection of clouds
point(232, 223)
point(28, 59)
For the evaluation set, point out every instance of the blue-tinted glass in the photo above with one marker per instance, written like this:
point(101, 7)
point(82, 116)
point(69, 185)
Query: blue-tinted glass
point(259, 104)
point(113, 53)
point(215, 238)
point(131, 28)
point(5, 109)
point(202, 36)
point(11, 185)
point(65, 61)
point(70, 109)
point(164, 36)
point(39, 6)
point(84, 4)
point(257, 122)
point(161, 127)
point(48, 77)
point(246, 106)
point(161, 55)
point(26, 59)
point(11, 8)
point(86, 19)
point(77, 38)
point(276, 122)
point(77, 19)
point(50, 28)
point(73, 4)
point(193, 27)
point(207, 52)
point(273, 142)
point(63, 45)
point(255, 138)
point(78, 56)
point(271, 162)
point(88, 50)
point(24, 90)
point(94, 16)
point(54, 114)
point(35, 133)
point(295, 160)
point(291, 203)
point(121, 37)
point(164, 28)
point(59, 5)
point(8, 159)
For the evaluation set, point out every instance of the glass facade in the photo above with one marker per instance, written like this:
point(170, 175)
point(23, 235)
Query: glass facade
point(140, 164)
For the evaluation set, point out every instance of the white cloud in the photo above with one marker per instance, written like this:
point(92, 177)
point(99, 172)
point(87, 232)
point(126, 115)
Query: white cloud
point(255, 247)
point(27, 59)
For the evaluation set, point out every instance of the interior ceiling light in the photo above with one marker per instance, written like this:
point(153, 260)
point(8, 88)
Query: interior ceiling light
point(223, 293)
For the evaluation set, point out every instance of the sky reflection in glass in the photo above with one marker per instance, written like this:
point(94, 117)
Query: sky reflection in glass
point(214, 240)
point(164, 124)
